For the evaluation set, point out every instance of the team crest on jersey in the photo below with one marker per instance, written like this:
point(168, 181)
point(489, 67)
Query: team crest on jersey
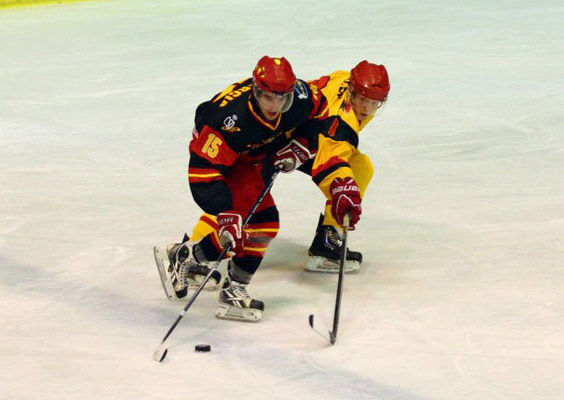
point(301, 90)
point(229, 124)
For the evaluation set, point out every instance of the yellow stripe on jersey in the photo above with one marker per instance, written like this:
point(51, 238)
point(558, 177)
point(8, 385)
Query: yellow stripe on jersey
point(203, 175)
point(256, 249)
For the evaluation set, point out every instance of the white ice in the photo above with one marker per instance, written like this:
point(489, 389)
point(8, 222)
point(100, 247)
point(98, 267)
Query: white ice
point(461, 296)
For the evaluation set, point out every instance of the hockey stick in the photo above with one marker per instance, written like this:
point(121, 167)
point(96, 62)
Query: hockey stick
point(161, 351)
point(331, 335)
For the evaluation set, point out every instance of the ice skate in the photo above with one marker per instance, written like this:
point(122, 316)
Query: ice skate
point(325, 253)
point(179, 270)
point(236, 304)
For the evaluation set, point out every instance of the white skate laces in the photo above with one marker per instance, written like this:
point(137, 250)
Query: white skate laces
point(181, 271)
point(237, 292)
point(334, 239)
point(192, 272)
point(236, 304)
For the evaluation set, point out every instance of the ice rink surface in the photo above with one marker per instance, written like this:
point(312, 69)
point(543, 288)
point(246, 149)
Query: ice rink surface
point(461, 295)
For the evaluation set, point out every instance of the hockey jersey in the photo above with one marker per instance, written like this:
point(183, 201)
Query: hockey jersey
point(336, 137)
point(230, 126)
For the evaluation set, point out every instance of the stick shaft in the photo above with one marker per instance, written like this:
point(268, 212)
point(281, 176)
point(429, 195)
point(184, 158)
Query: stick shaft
point(223, 253)
point(340, 281)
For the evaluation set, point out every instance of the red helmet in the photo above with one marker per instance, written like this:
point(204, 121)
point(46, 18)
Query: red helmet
point(274, 75)
point(370, 80)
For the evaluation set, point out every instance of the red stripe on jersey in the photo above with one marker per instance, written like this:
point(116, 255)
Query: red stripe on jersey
point(321, 82)
point(265, 230)
point(264, 225)
point(332, 161)
point(210, 222)
point(320, 109)
point(256, 245)
point(251, 253)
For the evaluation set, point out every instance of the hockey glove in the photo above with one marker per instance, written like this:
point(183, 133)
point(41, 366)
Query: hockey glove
point(292, 155)
point(231, 231)
point(345, 198)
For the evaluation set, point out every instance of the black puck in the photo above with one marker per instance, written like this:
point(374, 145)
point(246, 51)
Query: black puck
point(203, 348)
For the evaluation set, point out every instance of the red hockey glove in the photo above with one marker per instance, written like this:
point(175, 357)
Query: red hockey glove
point(345, 198)
point(231, 231)
point(292, 155)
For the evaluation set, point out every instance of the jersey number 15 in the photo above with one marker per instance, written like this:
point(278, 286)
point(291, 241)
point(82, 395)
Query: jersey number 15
point(211, 147)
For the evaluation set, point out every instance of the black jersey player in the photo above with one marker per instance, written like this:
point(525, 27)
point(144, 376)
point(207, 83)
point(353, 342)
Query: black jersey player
point(240, 136)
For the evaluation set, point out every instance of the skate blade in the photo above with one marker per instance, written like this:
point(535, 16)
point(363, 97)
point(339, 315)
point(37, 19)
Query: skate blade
point(225, 311)
point(209, 287)
point(161, 257)
point(324, 265)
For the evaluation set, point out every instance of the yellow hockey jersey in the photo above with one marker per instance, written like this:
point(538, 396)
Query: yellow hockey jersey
point(337, 135)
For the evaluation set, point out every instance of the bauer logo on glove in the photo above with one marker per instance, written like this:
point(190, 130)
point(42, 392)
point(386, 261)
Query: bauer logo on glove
point(345, 199)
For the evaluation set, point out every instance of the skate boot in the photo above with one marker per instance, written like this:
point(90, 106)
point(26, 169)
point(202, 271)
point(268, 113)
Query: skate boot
point(235, 303)
point(179, 269)
point(325, 253)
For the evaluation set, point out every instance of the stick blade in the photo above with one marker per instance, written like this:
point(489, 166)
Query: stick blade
point(160, 353)
point(311, 320)
point(332, 337)
point(320, 328)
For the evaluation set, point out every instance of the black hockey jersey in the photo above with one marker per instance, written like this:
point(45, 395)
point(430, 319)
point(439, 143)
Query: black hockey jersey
point(230, 126)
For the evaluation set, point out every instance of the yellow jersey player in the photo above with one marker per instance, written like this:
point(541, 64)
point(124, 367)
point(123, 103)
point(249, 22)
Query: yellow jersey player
point(339, 168)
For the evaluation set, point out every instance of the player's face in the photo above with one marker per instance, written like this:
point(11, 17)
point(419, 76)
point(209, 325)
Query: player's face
point(271, 104)
point(364, 107)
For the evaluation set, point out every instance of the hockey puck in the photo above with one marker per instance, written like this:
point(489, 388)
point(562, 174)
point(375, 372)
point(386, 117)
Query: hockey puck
point(202, 348)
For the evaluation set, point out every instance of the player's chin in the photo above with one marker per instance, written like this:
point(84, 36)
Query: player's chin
point(271, 116)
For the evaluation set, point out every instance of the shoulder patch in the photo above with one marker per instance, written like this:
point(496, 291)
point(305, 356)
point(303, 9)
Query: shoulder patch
point(301, 90)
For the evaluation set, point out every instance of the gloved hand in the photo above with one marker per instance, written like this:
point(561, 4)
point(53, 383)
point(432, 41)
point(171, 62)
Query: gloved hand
point(231, 231)
point(292, 155)
point(345, 198)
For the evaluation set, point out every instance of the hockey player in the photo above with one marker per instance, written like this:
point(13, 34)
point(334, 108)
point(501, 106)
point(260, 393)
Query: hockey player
point(340, 170)
point(241, 135)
